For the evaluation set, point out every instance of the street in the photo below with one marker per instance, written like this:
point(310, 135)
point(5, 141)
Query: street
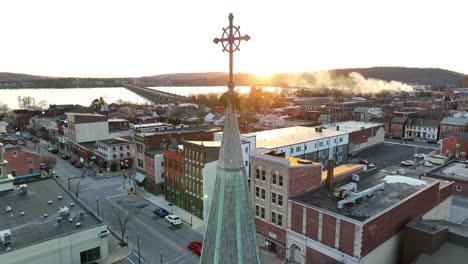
point(106, 195)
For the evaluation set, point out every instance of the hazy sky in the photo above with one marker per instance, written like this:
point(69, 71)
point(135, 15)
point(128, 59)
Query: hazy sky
point(99, 38)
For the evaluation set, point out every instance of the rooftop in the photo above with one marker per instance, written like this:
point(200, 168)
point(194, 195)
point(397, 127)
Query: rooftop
point(458, 121)
point(399, 120)
point(32, 227)
point(338, 170)
point(397, 189)
point(289, 136)
point(351, 126)
point(208, 144)
point(114, 141)
point(453, 170)
point(423, 122)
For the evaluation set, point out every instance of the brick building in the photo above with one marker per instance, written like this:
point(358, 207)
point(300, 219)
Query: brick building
point(397, 127)
point(174, 175)
point(453, 124)
point(21, 163)
point(455, 171)
point(455, 144)
point(276, 178)
point(361, 220)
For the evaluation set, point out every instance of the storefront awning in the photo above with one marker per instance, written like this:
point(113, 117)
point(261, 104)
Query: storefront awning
point(139, 177)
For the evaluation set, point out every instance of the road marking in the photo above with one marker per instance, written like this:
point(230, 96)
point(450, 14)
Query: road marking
point(459, 222)
point(187, 259)
point(179, 257)
point(141, 258)
point(130, 260)
point(112, 196)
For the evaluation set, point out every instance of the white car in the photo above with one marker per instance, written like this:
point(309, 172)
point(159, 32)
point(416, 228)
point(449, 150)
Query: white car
point(427, 164)
point(419, 155)
point(407, 163)
point(173, 219)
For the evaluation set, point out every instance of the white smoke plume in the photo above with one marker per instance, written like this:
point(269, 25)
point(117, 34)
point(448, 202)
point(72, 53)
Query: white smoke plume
point(353, 83)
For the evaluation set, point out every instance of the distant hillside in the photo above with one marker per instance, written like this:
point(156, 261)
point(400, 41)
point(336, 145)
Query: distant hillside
point(14, 77)
point(424, 76)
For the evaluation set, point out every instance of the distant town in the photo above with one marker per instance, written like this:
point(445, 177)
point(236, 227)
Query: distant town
point(336, 175)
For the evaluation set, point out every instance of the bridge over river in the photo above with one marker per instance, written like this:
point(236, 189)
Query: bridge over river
point(158, 97)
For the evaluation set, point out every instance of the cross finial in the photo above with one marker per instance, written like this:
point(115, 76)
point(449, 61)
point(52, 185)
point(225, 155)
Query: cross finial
point(231, 41)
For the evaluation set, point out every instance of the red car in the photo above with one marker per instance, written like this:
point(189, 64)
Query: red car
point(196, 247)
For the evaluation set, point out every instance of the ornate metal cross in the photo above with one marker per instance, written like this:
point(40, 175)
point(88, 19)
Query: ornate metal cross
point(231, 42)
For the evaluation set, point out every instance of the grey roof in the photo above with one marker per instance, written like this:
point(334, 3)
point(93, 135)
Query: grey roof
point(230, 235)
point(457, 121)
point(423, 122)
point(31, 228)
point(399, 120)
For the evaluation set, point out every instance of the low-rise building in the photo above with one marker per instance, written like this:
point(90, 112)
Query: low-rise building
point(116, 152)
point(455, 171)
point(44, 224)
point(455, 145)
point(362, 135)
point(272, 121)
point(422, 129)
point(397, 127)
point(453, 124)
point(22, 164)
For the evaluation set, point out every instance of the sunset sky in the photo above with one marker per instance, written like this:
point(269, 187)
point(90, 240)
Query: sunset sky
point(113, 38)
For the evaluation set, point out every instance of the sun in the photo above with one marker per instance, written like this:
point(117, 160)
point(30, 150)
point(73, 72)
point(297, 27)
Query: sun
point(263, 74)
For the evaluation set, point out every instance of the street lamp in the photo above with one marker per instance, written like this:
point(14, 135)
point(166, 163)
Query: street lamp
point(138, 240)
point(97, 205)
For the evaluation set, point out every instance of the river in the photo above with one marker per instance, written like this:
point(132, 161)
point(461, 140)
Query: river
point(84, 96)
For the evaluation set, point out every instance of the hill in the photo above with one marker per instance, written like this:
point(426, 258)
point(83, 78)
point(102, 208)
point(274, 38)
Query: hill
point(423, 76)
point(14, 77)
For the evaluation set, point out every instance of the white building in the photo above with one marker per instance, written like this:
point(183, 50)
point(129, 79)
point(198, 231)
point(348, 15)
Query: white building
point(118, 150)
point(311, 143)
point(272, 121)
point(44, 227)
point(83, 127)
point(3, 126)
point(422, 129)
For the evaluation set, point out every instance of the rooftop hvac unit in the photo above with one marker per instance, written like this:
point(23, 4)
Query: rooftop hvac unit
point(8, 209)
point(355, 178)
point(352, 197)
point(5, 237)
point(344, 190)
point(23, 188)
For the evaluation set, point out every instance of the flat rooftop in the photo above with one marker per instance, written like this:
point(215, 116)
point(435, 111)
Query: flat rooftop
point(453, 170)
point(276, 138)
point(32, 228)
point(397, 189)
point(351, 126)
point(338, 170)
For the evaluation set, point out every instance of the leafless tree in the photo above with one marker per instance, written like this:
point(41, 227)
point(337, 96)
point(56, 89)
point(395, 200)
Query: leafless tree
point(122, 218)
point(77, 187)
point(49, 160)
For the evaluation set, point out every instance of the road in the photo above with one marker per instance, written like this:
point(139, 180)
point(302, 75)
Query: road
point(156, 235)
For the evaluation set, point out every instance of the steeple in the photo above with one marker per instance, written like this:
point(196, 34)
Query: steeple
point(230, 235)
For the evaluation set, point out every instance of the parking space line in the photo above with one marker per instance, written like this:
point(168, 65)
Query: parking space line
point(179, 257)
point(112, 196)
point(142, 260)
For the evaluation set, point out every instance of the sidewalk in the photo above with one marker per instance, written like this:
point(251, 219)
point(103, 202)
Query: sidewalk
point(197, 223)
point(116, 253)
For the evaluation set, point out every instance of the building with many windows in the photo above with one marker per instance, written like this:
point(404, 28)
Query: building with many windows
point(453, 124)
point(422, 129)
point(22, 164)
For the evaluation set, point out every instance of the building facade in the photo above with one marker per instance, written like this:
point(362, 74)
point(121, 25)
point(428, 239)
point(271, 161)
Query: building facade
point(22, 163)
point(454, 125)
point(397, 127)
point(422, 129)
point(116, 152)
point(455, 145)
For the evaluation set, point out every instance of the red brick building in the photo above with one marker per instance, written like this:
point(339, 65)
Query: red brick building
point(456, 171)
point(275, 178)
point(456, 145)
point(361, 221)
point(454, 125)
point(21, 163)
point(397, 127)
point(174, 175)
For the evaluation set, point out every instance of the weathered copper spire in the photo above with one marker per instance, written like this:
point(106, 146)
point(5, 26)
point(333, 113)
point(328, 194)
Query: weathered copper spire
point(230, 235)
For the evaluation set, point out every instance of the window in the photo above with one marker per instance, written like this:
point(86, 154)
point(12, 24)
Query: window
point(280, 199)
point(90, 255)
point(298, 148)
point(459, 188)
point(273, 198)
point(246, 163)
point(340, 159)
point(341, 139)
point(262, 212)
point(162, 164)
point(257, 173)
point(273, 217)
point(246, 149)
point(13, 173)
point(139, 148)
point(263, 175)
point(274, 176)
point(257, 191)
point(320, 144)
point(457, 146)
point(15, 154)
point(257, 210)
point(340, 149)
point(292, 150)
point(305, 147)
point(280, 180)
point(140, 162)
point(29, 161)
point(280, 220)
point(263, 194)
point(31, 170)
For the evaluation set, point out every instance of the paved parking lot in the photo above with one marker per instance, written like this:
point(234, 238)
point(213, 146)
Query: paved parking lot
point(389, 154)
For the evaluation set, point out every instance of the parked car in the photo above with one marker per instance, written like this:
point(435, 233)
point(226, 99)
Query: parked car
point(161, 212)
point(427, 164)
point(53, 150)
point(78, 165)
point(74, 161)
point(64, 156)
point(44, 167)
point(407, 163)
point(419, 155)
point(370, 165)
point(196, 247)
point(173, 219)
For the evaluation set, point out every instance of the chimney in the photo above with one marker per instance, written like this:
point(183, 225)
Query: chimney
point(330, 179)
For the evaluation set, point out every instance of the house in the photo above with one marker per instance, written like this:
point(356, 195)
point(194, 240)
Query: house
point(22, 164)
point(397, 127)
point(272, 121)
point(453, 124)
point(422, 129)
point(455, 144)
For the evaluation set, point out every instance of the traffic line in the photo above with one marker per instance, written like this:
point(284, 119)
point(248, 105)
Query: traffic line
point(179, 257)
point(112, 196)
point(141, 259)
point(187, 259)
point(130, 260)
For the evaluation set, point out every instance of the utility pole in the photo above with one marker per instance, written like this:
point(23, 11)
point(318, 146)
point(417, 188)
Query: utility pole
point(161, 260)
point(138, 239)
point(97, 205)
